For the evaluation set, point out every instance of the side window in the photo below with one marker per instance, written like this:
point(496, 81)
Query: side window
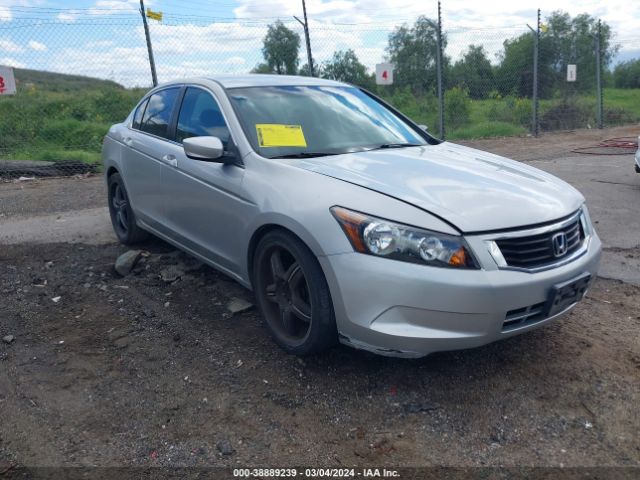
point(200, 116)
point(137, 117)
point(157, 116)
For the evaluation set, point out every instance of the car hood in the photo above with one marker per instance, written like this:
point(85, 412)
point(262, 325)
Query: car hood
point(474, 190)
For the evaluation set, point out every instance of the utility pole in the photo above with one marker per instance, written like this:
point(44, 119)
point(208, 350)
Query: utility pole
point(439, 73)
point(305, 26)
point(536, 53)
point(599, 76)
point(152, 62)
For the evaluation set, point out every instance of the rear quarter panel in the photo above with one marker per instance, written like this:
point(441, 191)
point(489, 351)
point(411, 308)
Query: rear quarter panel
point(112, 149)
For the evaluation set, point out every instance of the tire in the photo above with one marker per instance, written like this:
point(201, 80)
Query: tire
point(123, 219)
point(293, 295)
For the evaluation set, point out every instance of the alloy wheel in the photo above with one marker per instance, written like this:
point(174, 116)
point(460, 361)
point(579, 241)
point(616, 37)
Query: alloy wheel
point(284, 286)
point(120, 208)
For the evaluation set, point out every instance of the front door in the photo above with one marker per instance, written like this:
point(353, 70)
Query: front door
point(205, 206)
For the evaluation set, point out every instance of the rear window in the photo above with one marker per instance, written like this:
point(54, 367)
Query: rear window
point(137, 117)
point(157, 115)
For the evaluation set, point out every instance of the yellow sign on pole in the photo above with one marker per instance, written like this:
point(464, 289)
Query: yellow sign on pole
point(154, 15)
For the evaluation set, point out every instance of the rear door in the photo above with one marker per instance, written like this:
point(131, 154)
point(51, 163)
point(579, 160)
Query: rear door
point(205, 206)
point(142, 155)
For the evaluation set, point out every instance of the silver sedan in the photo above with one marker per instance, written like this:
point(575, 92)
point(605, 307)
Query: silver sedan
point(348, 221)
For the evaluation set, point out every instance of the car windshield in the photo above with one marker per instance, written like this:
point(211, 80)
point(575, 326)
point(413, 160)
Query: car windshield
point(309, 121)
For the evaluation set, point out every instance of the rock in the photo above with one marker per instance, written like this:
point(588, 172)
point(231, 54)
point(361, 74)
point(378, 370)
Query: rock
point(126, 262)
point(8, 338)
point(171, 273)
point(238, 305)
point(225, 448)
point(56, 299)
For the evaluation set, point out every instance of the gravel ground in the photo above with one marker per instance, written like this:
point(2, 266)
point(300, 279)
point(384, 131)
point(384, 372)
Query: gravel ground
point(152, 369)
point(106, 370)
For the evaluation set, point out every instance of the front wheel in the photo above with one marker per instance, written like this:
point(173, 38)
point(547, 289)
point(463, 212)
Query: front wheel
point(293, 294)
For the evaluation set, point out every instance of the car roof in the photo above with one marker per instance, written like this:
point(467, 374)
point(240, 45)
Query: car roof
point(261, 80)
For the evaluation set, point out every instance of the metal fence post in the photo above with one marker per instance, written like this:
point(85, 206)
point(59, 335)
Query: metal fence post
point(599, 100)
point(536, 54)
point(152, 62)
point(439, 74)
point(305, 26)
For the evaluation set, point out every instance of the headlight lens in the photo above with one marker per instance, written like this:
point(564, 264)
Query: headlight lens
point(379, 237)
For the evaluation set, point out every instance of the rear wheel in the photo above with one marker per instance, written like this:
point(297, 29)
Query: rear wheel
point(122, 217)
point(293, 294)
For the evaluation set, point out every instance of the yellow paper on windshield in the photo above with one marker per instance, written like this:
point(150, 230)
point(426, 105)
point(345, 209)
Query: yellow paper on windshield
point(278, 135)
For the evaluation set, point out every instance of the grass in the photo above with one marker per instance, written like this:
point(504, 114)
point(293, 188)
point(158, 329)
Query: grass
point(486, 129)
point(62, 124)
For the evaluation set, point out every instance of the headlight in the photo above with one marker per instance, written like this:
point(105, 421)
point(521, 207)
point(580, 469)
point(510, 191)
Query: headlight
point(382, 238)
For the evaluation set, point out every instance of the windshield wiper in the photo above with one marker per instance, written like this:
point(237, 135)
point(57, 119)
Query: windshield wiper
point(306, 155)
point(395, 145)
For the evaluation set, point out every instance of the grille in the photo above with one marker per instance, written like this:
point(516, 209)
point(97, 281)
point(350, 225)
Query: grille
point(524, 316)
point(537, 250)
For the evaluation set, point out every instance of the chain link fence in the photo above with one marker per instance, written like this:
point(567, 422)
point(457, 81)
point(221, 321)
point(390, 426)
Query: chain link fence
point(79, 71)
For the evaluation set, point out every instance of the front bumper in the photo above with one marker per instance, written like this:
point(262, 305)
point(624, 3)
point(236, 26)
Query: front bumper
point(402, 309)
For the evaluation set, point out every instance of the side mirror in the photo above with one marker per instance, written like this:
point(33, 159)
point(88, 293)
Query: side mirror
point(203, 148)
point(423, 127)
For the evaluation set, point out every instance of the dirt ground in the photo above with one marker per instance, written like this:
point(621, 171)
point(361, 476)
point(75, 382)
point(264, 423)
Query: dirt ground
point(152, 369)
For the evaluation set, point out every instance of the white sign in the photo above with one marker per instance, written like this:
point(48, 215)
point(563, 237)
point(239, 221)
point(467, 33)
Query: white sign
point(384, 73)
point(7, 81)
point(571, 73)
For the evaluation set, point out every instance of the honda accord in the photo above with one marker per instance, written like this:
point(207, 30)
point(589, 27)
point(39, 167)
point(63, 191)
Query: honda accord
point(348, 221)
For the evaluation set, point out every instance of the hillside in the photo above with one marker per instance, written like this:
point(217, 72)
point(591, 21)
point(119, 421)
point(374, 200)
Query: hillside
point(59, 82)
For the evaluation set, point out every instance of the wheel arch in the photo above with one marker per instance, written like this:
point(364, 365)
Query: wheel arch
point(291, 227)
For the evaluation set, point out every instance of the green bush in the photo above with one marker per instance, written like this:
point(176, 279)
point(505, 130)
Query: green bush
point(423, 109)
point(512, 110)
point(457, 105)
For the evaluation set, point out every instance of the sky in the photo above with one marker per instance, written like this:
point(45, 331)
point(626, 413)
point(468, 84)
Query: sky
point(105, 38)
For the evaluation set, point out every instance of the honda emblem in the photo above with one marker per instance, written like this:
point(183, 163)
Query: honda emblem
point(559, 243)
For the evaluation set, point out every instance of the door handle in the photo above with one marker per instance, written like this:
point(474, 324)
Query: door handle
point(127, 141)
point(170, 160)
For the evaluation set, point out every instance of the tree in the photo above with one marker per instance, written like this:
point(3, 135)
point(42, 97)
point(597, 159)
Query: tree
point(304, 69)
point(567, 41)
point(627, 74)
point(262, 68)
point(280, 50)
point(344, 66)
point(572, 41)
point(514, 75)
point(413, 52)
point(473, 72)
